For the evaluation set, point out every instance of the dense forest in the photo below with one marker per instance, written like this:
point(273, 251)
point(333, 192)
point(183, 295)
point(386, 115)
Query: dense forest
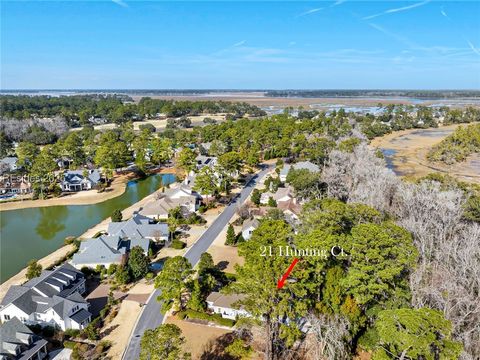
point(79, 108)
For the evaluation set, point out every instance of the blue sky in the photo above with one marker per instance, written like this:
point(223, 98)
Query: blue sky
point(238, 45)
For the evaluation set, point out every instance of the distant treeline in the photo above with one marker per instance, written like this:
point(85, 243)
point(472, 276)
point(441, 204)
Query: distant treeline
point(114, 108)
point(419, 94)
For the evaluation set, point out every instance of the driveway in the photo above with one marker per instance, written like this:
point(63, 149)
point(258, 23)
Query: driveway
point(151, 317)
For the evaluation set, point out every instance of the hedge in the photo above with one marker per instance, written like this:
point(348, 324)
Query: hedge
point(217, 318)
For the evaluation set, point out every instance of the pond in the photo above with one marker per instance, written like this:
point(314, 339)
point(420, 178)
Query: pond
point(36, 232)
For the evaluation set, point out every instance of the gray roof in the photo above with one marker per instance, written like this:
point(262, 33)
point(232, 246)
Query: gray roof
point(250, 223)
point(76, 176)
point(9, 160)
point(45, 291)
point(80, 316)
point(299, 166)
point(138, 226)
point(107, 249)
point(14, 334)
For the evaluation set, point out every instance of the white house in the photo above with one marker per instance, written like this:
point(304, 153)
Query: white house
point(52, 299)
point(298, 166)
point(77, 180)
point(225, 305)
point(248, 227)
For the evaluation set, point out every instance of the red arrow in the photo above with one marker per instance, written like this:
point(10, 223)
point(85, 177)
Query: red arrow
point(281, 282)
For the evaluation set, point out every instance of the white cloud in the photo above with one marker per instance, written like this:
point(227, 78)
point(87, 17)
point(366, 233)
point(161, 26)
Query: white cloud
point(312, 11)
point(395, 10)
point(442, 11)
point(120, 3)
point(240, 43)
point(474, 49)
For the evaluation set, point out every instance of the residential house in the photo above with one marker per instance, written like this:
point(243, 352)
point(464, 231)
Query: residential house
point(248, 227)
point(161, 207)
point(106, 250)
point(139, 226)
point(77, 180)
point(17, 341)
point(292, 211)
point(12, 184)
point(281, 195)
point(298, 166)
point(202, 161)
point(225, 305)
point(8, 164)
point(52, 299)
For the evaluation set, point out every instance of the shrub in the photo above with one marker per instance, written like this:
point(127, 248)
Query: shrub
point(217, 318)
point(71, 333)
point(69, 344)
point(34, 269)
point(117, 215)
point(177, 244)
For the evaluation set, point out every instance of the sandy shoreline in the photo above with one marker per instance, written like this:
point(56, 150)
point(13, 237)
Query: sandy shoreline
point(58, 254)
point(87, 197)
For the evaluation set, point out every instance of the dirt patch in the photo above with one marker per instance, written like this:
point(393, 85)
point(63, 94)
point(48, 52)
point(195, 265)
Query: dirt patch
point(227, 256)
point(121, 327)
point(199, 338)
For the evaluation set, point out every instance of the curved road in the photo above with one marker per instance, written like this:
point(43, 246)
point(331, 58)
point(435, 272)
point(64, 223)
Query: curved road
point(151, 316)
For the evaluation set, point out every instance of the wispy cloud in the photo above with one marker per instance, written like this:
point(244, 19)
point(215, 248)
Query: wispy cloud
point(338, 2)
point(311, 11)
point(120, 3)
point(240, 43)
point(443, 12)
point(474, 49)
point(395, 10)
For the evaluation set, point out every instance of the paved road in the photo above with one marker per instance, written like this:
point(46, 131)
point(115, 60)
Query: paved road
point(151, 317)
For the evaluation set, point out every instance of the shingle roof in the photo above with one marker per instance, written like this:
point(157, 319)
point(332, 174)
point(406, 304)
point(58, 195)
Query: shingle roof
point(300, 165)
point(76, 176)
point(80, 316)
point(40, 294)
point(250, 223)
point(222, 300)
point(138, 225)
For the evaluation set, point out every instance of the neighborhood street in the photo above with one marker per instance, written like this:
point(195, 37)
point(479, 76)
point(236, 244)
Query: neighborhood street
point(151, 317)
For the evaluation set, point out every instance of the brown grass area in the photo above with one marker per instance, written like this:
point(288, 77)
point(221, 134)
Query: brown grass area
point(201, 339)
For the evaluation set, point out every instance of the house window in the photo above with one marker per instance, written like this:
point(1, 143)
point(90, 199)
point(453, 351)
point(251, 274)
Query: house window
point(7, 317)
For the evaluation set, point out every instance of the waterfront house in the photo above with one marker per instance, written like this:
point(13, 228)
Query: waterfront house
point(307, 165)
point(12, 184)
point(77, 180)
point(248, 227)
point(17, 341)
point(139, 226)
point(52, 299)
point(182, 197)
point(106, 250)
point(225, 305)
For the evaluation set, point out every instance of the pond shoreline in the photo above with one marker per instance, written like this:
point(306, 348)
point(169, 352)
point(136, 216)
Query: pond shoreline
point(407, 153)
point(61, 252)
